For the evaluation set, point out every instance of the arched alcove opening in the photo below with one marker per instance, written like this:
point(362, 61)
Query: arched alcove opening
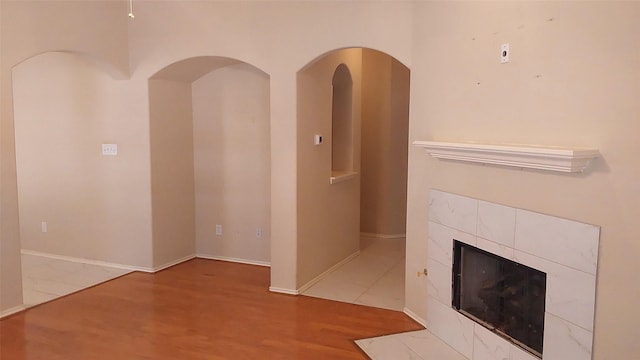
point(359, 213)
point(210, 161)
point(72, 202)
point(341, 123)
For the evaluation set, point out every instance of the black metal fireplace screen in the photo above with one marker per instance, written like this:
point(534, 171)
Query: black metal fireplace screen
point(503, 296)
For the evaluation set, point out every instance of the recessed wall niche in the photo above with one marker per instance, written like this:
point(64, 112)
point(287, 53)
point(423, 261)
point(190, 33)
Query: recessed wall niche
point(342, 123)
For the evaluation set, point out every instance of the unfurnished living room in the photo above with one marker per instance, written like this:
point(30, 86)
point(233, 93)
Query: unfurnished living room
point(379, 180)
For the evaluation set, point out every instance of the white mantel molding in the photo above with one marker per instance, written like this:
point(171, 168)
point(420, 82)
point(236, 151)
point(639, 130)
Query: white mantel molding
point(521, 156)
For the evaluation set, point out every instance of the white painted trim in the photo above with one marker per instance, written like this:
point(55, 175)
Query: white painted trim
point(173, 263)
point(88, 261)
point(13, 310)
point(415, 317)
point(383, 236)
point(560, 159)
point(313, 281)
point(235, 260)
point(283, 290)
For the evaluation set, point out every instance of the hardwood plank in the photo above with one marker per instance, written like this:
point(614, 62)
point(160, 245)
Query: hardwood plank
point(201, 309)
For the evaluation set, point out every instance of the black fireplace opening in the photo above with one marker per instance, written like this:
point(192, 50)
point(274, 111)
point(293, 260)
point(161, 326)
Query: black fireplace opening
point(504, 296)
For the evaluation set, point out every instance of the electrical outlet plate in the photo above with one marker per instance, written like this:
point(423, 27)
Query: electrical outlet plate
point(504, 53)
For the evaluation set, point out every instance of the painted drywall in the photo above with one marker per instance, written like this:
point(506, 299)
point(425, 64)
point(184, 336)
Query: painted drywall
point(328, 214)
point(398, 155)
point(30, 28)
point(259, 33)
point(232, 163)
point(385, 127)
point(10, 269)
point(574, 83)
point(245, 31)
point(65, 108)
point(172, 176)
point(572, 80)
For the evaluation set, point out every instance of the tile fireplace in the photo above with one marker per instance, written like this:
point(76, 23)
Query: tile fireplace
point(565, 252)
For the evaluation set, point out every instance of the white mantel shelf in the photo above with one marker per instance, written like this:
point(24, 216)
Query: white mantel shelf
point(521, 156)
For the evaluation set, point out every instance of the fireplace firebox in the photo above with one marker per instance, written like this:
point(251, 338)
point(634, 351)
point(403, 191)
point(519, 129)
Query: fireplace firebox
point(506, 297)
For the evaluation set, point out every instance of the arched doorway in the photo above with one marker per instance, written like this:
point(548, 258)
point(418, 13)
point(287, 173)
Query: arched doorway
point(359, 216)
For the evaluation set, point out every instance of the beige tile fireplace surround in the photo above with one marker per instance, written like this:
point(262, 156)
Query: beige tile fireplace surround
point(567, 251)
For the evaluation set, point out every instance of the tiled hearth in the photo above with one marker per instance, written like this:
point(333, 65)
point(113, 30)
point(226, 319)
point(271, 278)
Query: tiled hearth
point(566, 250)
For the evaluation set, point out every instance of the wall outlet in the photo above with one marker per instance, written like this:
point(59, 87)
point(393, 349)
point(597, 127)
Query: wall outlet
point(218, 229)
point(44, 226)
point(258, 233)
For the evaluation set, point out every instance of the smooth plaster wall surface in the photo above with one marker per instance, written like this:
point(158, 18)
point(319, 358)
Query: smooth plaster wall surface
point(10, 269)
point(65, 107)
point(385, 131)
point(328, 214)
point(28, 29)
point(172, 175)
point(232, 163)
point(247, 31)
point(573, 80)
point(243, 31)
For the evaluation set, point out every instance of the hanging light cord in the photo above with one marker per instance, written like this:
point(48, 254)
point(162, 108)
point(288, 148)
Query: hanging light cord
point(131, 9)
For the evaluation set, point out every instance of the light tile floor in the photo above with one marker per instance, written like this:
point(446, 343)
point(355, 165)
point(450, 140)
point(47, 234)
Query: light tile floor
point(374, 278)
point(415, 345)
point(45, 278)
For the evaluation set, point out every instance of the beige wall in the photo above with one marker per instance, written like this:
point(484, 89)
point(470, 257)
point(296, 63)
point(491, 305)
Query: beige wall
point(328, 214)
point(573, 80)
point(232, 163)
point(172, 176)
point(65, 107)
point(28, 29)
point(247, 31)
point(10, 270)
point(243, 31)
point(385, 127)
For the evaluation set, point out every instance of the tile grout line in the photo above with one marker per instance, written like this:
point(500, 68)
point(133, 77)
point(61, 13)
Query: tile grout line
point(380, 278)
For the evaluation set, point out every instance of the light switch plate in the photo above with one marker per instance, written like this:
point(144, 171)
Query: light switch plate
point(110, 149)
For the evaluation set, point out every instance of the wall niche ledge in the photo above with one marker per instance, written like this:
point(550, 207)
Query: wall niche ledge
point(561, 159)
point(340, 176)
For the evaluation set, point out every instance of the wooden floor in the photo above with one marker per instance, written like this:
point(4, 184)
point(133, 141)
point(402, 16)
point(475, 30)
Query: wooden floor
point(201, 309)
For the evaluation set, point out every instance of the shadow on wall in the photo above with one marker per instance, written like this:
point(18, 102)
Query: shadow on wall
point(72, 200)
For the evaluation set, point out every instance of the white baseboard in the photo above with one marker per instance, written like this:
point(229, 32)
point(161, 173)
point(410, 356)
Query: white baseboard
point(88, 261)
point(11, 311)
point(313, 281)
point(172, 263)
point(283, 290)
point(235, 260)
point(415, 317)
point(383, 236)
